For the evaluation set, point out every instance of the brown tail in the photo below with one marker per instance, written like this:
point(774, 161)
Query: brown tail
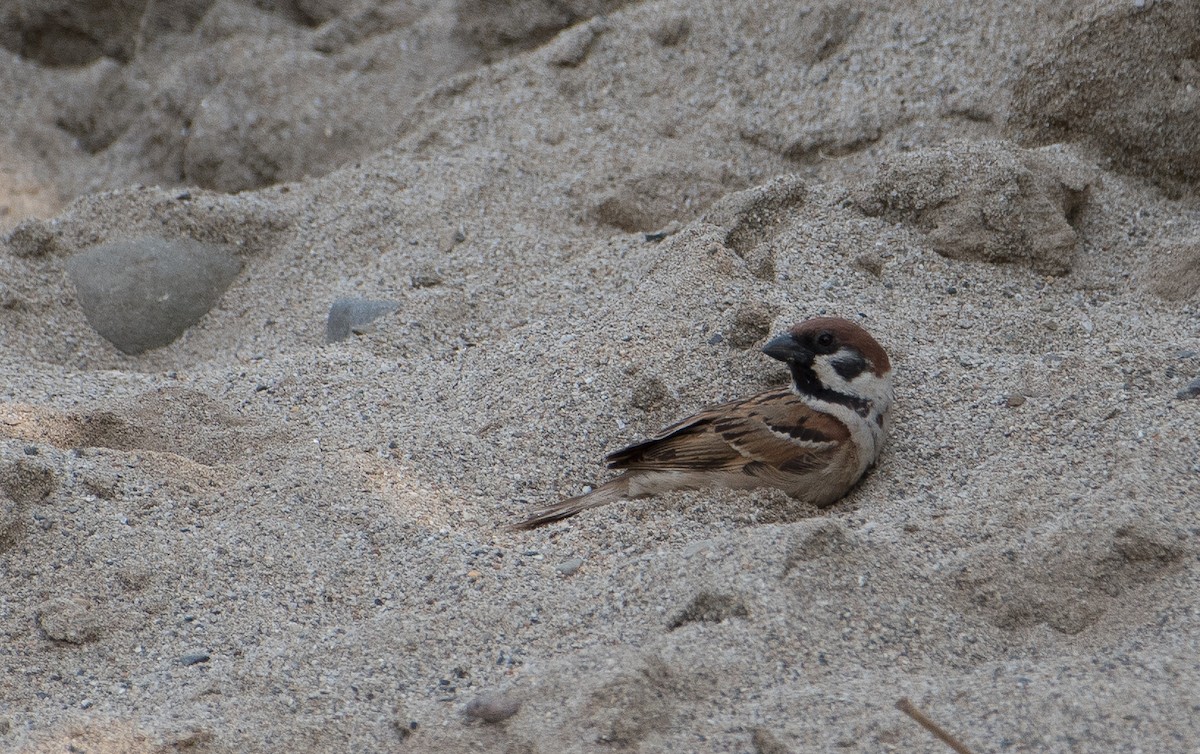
point(609, 492)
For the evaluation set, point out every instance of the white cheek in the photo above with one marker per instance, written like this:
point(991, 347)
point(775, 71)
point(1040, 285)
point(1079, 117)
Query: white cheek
point(874, 389)
point(829, 376)
point(865, 385)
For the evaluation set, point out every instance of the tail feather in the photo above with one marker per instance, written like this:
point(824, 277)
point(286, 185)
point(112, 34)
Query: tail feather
point(609, 492)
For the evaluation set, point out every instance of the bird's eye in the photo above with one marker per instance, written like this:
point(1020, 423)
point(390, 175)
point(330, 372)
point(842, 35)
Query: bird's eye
point(825, 340)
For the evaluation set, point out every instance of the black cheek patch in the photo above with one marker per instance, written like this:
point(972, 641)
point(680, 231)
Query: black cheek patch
point(849, 366)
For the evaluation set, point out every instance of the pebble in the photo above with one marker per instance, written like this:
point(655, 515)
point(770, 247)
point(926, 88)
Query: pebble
point(569, 567)
point(194, 658)
point(492, 708)
point(353, 315)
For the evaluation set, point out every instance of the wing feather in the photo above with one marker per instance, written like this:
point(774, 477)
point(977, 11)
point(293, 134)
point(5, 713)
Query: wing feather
point(772, 431)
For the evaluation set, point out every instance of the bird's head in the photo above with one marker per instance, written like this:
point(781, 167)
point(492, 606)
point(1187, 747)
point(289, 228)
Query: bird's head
point(830, 354)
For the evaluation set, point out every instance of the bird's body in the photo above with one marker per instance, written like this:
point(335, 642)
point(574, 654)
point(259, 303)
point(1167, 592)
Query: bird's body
point(814, 440)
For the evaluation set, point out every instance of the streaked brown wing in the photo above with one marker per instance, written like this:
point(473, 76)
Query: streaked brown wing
point(773, 429)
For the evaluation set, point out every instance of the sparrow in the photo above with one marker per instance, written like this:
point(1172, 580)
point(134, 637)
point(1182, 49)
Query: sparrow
point(814, 440)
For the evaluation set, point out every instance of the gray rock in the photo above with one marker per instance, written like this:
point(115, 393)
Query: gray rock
point(492, 708)
point(353, 315)
point(569, 567)
point(194, 658)
point(144, 293)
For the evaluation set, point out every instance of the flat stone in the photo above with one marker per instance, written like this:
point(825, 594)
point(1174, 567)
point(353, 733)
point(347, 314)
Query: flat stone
point(569, 567)
point(194, 658)
point(353, 315)
point(492, 708)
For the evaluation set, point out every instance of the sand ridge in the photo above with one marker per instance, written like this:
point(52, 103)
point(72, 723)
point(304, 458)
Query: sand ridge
point(591, 215)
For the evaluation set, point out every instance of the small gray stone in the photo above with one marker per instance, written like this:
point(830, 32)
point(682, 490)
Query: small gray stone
point(569, 567)
point(144, 293)
point(194, 658)
point(353, 315)
point(492, 708)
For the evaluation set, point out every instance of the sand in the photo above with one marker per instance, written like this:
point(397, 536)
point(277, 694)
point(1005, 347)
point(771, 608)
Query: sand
point(591, 215)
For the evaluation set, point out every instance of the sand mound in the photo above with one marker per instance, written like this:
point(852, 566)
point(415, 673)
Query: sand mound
point(577, 222)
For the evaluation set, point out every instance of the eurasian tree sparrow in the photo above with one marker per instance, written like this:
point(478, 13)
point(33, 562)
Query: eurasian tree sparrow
point(814, 441)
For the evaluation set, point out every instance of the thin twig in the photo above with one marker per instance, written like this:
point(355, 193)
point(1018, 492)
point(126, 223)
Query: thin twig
point(907, 708)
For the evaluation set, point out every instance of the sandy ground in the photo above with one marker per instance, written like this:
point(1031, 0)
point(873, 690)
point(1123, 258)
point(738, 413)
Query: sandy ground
point(591, 215)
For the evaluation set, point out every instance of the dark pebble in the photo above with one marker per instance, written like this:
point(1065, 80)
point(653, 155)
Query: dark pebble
point(195, 658)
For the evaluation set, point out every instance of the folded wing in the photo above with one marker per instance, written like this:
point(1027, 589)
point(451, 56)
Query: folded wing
point(770, 432)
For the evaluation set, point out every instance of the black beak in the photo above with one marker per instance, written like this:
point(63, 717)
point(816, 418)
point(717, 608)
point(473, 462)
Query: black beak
point(788, 350)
